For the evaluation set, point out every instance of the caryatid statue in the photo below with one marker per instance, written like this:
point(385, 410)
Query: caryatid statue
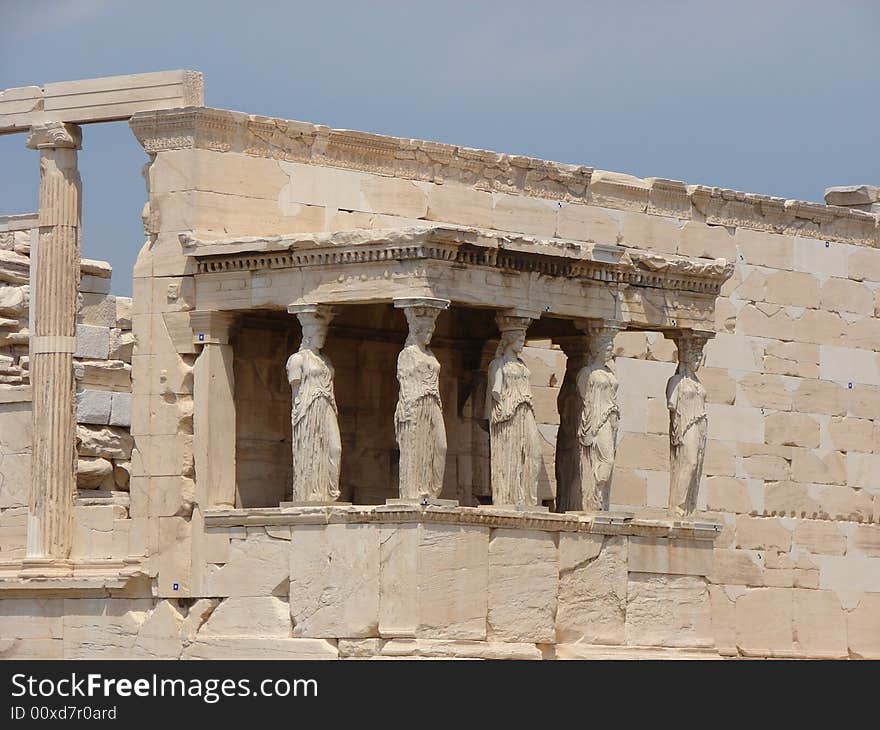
point(418, 418)
point(591, 461)
point(597, 433)
point(686, 401)
point(515, 441)
point(317, 446)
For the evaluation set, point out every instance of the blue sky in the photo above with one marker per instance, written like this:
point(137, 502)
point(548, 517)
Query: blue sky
point(770, 96)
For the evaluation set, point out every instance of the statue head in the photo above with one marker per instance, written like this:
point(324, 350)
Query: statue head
point(421, 321)
point(690, 352)
point(513, 333)
point(602, 345)
point(512, 342)
point(314, 319)
point(313, 336)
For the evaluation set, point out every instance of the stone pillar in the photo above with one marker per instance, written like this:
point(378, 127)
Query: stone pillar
point(513, 430)
point(686, 401)
point(53, 342)
point(214, 410)
point(418, 418)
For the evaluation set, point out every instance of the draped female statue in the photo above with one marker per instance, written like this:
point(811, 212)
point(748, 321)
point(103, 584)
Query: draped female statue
point(597, 433)
point(515, 441)
point(686, 401)
point(418, 418)
point(316, 443)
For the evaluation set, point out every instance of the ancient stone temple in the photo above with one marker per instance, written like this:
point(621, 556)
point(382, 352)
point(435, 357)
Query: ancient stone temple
point(379, 397)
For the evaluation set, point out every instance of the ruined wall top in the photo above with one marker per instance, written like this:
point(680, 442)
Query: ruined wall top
point(229, 131)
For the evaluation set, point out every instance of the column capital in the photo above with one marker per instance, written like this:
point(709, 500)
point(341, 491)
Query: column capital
point(597, 327)
point(210, 327)
point(515, 319)
point(312, 314)
point(697, 337)
point(55, 135)
point(421, 303)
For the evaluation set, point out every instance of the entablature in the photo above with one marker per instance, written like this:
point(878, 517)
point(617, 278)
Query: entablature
point(554, 276)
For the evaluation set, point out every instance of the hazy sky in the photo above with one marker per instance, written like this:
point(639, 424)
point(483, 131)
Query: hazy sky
point(770, 96)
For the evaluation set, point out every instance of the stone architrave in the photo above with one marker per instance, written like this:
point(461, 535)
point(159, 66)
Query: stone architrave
point(686, 401)
point(418, 418)
point(53, 476)
point(317, 444)
point(513, 430)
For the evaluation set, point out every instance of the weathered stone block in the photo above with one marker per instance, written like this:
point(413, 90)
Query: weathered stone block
point(92, 343)
point(737, 567)
point(819, 624)
point(93, 406)
point(108, 442)
point(334, 580)
point(587, 223)
point(237, 647)
point(453, 581)
point(863, 627)
point(674, 557)
point(120, 409)
point(765, 249)
point(98, 310)
point(764, 622)
point(592, 589)
point(254, 568)
point(791, 429)
point(249, 616)
point(523, 574)
point(762, 533)
point(819, 537)
point(668, 610)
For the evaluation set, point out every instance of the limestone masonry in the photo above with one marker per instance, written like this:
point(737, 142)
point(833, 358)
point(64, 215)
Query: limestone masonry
point(381, 397)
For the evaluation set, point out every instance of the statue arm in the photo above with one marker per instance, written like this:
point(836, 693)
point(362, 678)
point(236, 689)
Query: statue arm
point(494, 388)
point(294, 369)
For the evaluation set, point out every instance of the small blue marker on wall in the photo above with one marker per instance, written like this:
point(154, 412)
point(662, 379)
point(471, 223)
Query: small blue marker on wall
point(201, 336)
point(175, 586)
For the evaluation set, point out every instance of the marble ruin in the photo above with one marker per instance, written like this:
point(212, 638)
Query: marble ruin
point(383, 397)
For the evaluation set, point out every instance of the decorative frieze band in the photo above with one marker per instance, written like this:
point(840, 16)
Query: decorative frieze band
point(486, 516)
point(550, 258)
point(227, 131)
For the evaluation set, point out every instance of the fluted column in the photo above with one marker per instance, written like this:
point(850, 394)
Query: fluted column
point(214, 410)
point(53, 342)
point(418, 418)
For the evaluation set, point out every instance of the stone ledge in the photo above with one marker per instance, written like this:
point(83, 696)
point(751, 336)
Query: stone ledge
point(63, 576)
point(487, 516)
point(16, 394)
point(598, 651)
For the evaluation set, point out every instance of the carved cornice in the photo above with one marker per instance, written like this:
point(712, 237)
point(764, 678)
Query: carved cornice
point(228, 131)
point(461, 247)
point(487, 516)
